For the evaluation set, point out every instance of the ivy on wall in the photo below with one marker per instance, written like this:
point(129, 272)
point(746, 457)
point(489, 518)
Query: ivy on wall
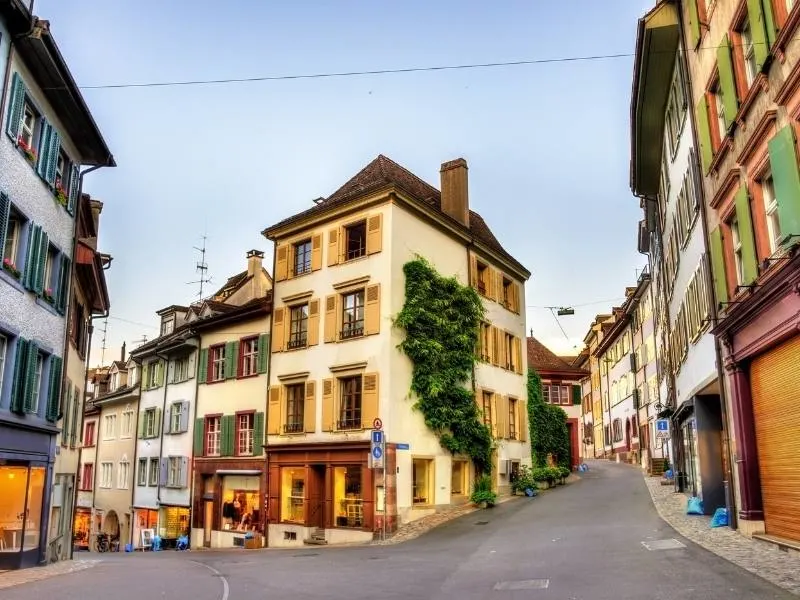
point(547, 426)
point(441, 318)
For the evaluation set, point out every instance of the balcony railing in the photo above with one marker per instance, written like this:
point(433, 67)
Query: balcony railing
point(348, 423)
point(352, 330)
point(293, 427)
point(297, 341)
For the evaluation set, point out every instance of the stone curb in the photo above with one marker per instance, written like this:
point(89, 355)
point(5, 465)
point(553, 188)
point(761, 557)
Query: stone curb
point(30, 575)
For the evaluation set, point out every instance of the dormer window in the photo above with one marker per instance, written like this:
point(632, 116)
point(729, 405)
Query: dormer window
point(168, 325)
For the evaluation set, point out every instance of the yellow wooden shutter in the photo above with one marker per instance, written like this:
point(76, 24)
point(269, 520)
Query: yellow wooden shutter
point(491, 283)
point(522, 420)
point(330, 318)
point(278, 329)
point(313, 322)
point(375, 234)
point(333, 247)
point(369, 399)
point(274, 411)
point(327, 404)
point(515, 297)
point(494, 334)
point(473, 271)
point(494, 415)
point(316, 252)
point(372, 309)
point(518, 355)
point(310, 408)
point(281, 262)
point(502, 416)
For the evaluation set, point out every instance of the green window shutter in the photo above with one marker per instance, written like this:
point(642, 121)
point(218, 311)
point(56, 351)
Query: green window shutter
point(16, 105)
point(18, 383)
point(30, 378)
point(718, 266)
point(53, 150)
point(44, 147)
point(228, 434)
point(745, 219)
point(727, 83)
point(76, 412)
point(263, 352)
point(694, 22)
point(704, 133)
point(199, 431)
point(145, 375)
point(576, 395)
point(140, 426)
point(758, 28)
point(74, 189)
point(786, 179)
point(202, 366)
point(160, 373)
point(157, 429)
point(41, 264)
point(54, 390)
point(67, 418)
point(231, 359)
point(5, 214)
point(64, 277)
point(258, 433)
point(31, 256)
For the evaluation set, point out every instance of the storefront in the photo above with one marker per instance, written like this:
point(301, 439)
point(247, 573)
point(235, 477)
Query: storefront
point(144, 519)
point(22, 506)
point(82, 529)
point(229, 502)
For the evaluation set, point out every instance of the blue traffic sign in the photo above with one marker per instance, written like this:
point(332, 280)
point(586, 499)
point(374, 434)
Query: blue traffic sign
point(403, 446)
point(377, 452)
point(662, 425)
point(377, 436)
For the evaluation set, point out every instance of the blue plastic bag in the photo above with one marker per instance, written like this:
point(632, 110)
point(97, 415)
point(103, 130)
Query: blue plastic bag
point(720, 518)
point(668, 474)
point(530, 493)
point(694, 506)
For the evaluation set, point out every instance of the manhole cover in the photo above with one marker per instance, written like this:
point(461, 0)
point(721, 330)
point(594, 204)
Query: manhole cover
point(671, 544)
point(481, 522)
point(306, 554)
point(523, 584)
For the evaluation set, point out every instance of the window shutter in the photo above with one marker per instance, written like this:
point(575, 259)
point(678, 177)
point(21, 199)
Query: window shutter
point(263, 352)
point(327, 404)
point(375, 234)
point(278, 329)
point(281, 262)
point(18, 384)
point(65, 424)
point(786, 178)
point(184, 417)
point(168, 426)
point(704, 133)
point(5, 214)
point(30, 377)
point(310, 408)
point(228, 435)
point(199, 436)
point(333, 247)
point(727, 83)
point(372, 309)
point(31, 260)
point(274, 411)
point(159, 366)
point(501, 415)
point(258, 434)
point(576, 395)
point(53, 149)
point(16, 105)
point(163, 471)
point(184, 478)
point(313, 322)
point(74, 188)
point(46, 131)
point(202, 366)
point(77, 410)
point(493, 417)
point(316, 252)
point(369, 399)
point(473, 271)
point(140, 425)
point(159, 423)
point(518, 355)
point(522, 420)
point(330, 318)
point(758, 27)
point(44, 249)
point(495, 345)
point(62, 290)
point(743, 216)
point(515, 287)
point(54, 389)
point(171, 371)
point(694, 22)
point(231, 359)
point(145, 373)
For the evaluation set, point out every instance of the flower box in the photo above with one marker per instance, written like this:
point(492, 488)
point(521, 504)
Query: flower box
point(11, 268)
point(60, 193)
point(28, 151)
point(47, 295)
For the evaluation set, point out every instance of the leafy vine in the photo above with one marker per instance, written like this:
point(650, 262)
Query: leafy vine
point(548, 426)
point(441, 318)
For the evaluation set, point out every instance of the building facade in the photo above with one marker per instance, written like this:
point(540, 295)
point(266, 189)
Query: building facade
point(335, 366)
point(746, 97)
point(46, 136)
point(594, 419)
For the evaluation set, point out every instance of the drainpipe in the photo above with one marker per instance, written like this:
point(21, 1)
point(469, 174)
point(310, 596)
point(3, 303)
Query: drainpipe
point(194, 424)
point(161, 431)
point(267, 517)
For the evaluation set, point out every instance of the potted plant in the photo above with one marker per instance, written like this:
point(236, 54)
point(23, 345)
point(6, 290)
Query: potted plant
point(11, 268)
point(524, 480)
point(60, 193)
point(563, 474)
point(482, 493)
point(27, 150)
point(48, 296)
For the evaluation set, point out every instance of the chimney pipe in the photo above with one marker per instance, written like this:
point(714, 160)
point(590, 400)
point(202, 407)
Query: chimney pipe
point(123, 352)
point(455, 193)
point(254, 261)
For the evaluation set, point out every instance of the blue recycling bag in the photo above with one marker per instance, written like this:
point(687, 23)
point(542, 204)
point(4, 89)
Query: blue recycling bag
point(720, 518)
point(694, 506)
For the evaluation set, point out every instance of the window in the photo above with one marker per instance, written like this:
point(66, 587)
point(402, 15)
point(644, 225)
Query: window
point(3, 348)
point(180, 369)
point(771, 211)
point(293, 484)
point(719, 105)
point(486, 407)
point(458, 478)
point(175, 472)
point(176, 417)
point(422, 481)
point(298, 326)
point(737, 251)
point(559, 394)
point(37, 383)
point(482, 276)
point(352, 314)
point(510, 350)
point(155, 472)
point(676, 109)
point(168, 325)
point(62, 171)
point(149, 429)
point(87, 477)
point(127, 423)
point(348, 498)
point(27, 131)
point(512, 418)
point(78, 327)
point(245, 424)
point(249, 350)
point(617, 430)
point(11, 244)
point(295, 402)
point(485, 341)
point(124, 473)
point(355, 239)
point(217, 357)
point(109, 427)
point(748, 53)
point(350, 408)
point(302, 257)
point(141, 476)
point(88, 434)
point(213, 434)
point(106, 475)
point(153, 370)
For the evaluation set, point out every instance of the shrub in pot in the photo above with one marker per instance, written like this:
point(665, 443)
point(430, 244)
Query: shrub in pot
point(482, 493)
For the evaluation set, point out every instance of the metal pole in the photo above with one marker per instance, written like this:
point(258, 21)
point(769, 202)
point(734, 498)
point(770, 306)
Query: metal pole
point(385, 504)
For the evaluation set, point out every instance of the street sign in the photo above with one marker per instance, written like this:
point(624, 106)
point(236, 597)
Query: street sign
point(377, 436)
point(377, 453)
point(403, 446)
point(662, 428)
point(376, 449)
point(377, 424)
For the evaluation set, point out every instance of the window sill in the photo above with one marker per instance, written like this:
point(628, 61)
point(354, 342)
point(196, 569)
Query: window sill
point(250, 376)
point(720, 153)
point(12, 281)
point(759, 83)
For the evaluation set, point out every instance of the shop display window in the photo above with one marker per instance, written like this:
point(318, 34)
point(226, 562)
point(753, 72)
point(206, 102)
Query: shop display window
point(19, 524)
point(240, 503)
point(293, 484)
point(348, 496)
point(174, 522)
point(82, 528)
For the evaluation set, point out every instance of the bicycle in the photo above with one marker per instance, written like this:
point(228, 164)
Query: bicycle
point(102, 542)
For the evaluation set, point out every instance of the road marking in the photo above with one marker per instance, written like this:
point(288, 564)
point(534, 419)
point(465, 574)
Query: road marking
point(524, 584)
point(225, 586)
point(670, 544)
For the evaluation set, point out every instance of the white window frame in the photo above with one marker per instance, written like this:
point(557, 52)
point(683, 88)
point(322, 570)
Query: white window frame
point(141, 473)
point(174, 471)
point(106, 475)
point(771, 211)
point(149, 429)
point(250, 357)
point(723, 129)
point(3, 352)
point(123, 474)
point(127, 424)
point(737, 251)
point(153, 472)
point(213, 438)
point(245, 435)
point(37, 383)
point(180, 369)
point(175, 414)
point(110, 426)
point(218, 363)
point(12, 237)
point(748, 52)
point(27, 125)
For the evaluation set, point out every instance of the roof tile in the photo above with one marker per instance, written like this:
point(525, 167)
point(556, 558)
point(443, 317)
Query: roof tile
point(540, 358)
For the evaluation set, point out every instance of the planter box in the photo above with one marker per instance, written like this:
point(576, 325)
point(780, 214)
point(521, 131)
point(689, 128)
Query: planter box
point(255, 542)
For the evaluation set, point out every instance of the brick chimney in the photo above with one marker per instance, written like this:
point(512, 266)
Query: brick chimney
point(122, 357)
point(254, 260)
point(455, 194)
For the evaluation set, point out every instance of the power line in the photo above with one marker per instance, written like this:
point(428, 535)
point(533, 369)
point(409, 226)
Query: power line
point(577, 305)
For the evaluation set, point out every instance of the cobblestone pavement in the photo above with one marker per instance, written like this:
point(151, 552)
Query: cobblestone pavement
point(760, 558)
point(18, 577)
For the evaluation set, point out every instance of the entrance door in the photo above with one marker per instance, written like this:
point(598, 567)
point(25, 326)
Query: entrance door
point(316, 497)
point(208, 517)
point(776, 412)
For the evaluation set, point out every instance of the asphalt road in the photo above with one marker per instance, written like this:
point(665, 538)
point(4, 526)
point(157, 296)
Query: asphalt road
point(583, 542)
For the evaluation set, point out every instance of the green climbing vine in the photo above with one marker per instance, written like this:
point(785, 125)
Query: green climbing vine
point(548, 426)
point(441, 319)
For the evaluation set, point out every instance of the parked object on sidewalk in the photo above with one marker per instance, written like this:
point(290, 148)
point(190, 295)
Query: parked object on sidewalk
point(583, 467)
point(182, 543)
point(720, 518)
point(530, 493)
point(694, 506)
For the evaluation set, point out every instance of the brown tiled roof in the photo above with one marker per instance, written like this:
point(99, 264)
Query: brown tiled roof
point(120, 364)
point(383, 172)
point(543, 360)
point(233, 282)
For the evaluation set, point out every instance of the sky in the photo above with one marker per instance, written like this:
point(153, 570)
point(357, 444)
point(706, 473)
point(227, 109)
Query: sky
point(547, 144)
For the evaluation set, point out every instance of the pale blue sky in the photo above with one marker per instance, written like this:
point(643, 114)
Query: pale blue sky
point(548, 145)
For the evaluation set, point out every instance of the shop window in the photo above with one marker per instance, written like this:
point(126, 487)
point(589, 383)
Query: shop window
point(155, 472)
point(175, 522)
point(293, 483)
point(245, 424)
point(298, 326)
point(82, 529)
point(350, 407)
point(295, 403)
point(458, 478)
point(240, 505)
point(21, 522)
point(355, 239)
point(352, 314)
point(348, 496)
point(422, 481)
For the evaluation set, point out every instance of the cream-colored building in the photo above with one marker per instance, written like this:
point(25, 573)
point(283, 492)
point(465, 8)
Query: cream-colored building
point(336, 368)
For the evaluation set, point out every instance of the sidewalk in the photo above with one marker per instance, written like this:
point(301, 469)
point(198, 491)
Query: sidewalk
point(760, 558)
point(17, 577)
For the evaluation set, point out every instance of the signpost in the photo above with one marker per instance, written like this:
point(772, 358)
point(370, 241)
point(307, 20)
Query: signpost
point(377, 460)
point(662, 429)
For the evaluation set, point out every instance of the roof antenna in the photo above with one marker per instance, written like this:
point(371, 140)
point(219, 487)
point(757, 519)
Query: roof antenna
point(103, 342)
point(202, 268)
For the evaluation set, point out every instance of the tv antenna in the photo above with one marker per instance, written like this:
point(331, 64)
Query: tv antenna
point(137, 343)
point(103, 342)
point(202, 268)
